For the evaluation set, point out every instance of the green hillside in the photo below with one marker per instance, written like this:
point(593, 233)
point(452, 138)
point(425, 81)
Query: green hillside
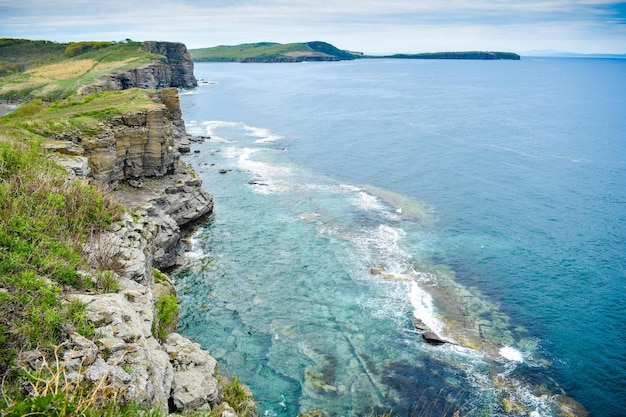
point(50, 70)
point(272, 52)
point(481, 55)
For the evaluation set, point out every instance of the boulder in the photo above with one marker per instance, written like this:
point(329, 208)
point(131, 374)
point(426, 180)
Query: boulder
point(195, 385)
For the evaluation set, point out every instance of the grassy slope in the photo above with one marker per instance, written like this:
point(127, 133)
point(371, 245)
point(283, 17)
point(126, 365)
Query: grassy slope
point(270, 52)
point(48, 73)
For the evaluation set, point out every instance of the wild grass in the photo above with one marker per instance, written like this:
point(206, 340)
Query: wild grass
point(49, 390)
point(58, 76)
point(44, 220)
point(166, 311)
point(82, 116)
point(239, 398)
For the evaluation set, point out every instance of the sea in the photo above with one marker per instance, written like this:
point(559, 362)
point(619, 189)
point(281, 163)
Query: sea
point(361, 204)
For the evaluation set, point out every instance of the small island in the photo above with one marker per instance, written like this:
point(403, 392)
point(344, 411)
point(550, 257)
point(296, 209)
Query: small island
point(482, 55)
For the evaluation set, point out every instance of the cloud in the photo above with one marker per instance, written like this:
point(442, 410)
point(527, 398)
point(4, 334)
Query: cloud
point(383, 26)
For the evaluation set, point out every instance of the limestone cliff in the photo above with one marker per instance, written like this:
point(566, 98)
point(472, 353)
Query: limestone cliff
point(174, 374)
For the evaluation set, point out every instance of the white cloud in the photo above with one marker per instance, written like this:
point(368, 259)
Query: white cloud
point(373, 26)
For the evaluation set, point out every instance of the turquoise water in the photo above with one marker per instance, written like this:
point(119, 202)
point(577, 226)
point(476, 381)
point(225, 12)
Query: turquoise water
point(486, 199)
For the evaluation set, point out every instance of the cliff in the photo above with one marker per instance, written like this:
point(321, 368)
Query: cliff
point(126, 140)
point(174, 68)
point(52, 71)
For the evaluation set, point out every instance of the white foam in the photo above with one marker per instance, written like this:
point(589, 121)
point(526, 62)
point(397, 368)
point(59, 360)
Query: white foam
point(424, 309)
point(371, 203)
point(194, 252)
point(275, 179)
point(511, 354)
point(264, 135)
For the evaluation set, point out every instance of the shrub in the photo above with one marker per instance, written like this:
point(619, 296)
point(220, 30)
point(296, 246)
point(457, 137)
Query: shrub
point(77, 48)
point(166, 310)
point(30, 108)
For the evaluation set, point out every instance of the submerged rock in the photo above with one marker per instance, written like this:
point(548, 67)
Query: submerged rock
point(419, 324)
point(433, 339)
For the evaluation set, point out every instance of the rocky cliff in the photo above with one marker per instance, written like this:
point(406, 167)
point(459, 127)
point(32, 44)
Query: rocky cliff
point(173, 69)
point(139, 144)
point(136, 155)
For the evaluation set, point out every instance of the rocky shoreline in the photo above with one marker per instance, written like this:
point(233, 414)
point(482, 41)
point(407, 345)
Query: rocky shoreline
point(137, 157)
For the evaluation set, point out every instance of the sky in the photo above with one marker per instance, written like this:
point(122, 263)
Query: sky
point(374, 27)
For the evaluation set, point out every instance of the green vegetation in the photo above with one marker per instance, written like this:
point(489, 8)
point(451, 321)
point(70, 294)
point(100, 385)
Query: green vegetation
point(83, 115)
point(77, 48)
point(159, 276)
point(272, 52)
point(239, 398)
point(481, 55)
point(44, 221)
point(166, 311)
point(16, 55)
point(51, 71)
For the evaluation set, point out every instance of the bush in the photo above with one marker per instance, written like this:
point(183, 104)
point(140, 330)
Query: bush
point(166, 309)
point(77, 48)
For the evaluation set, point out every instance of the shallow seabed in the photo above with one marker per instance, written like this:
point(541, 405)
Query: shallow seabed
point(354, 200)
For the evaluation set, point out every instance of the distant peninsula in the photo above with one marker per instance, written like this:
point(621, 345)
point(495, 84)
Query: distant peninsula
point(266, 52)
point(483, 55)
point(273, 52)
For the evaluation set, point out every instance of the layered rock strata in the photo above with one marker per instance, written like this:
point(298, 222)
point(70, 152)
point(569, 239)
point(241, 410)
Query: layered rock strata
point(139, 144)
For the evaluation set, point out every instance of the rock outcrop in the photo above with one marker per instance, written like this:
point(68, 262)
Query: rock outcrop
point(178, 62)
point(174, 69)
point(176, 375)
point(176, 203)
point(136, 145)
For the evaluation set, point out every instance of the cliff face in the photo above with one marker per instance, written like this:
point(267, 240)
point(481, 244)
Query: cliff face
point(174, 69)
point(136, 154)
point(179, 72)
point(137, 145)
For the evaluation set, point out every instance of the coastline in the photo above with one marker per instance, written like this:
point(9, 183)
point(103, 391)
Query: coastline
point(134, 354)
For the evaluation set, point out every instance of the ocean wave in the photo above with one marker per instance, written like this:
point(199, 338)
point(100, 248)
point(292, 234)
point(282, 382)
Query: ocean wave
point(240, 130)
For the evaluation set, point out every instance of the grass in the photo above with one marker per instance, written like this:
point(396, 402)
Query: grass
point(166, 311)
point(83, 116)
point(269, 52)
point(61, 69)
point(239, 398)
point(44, 220)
